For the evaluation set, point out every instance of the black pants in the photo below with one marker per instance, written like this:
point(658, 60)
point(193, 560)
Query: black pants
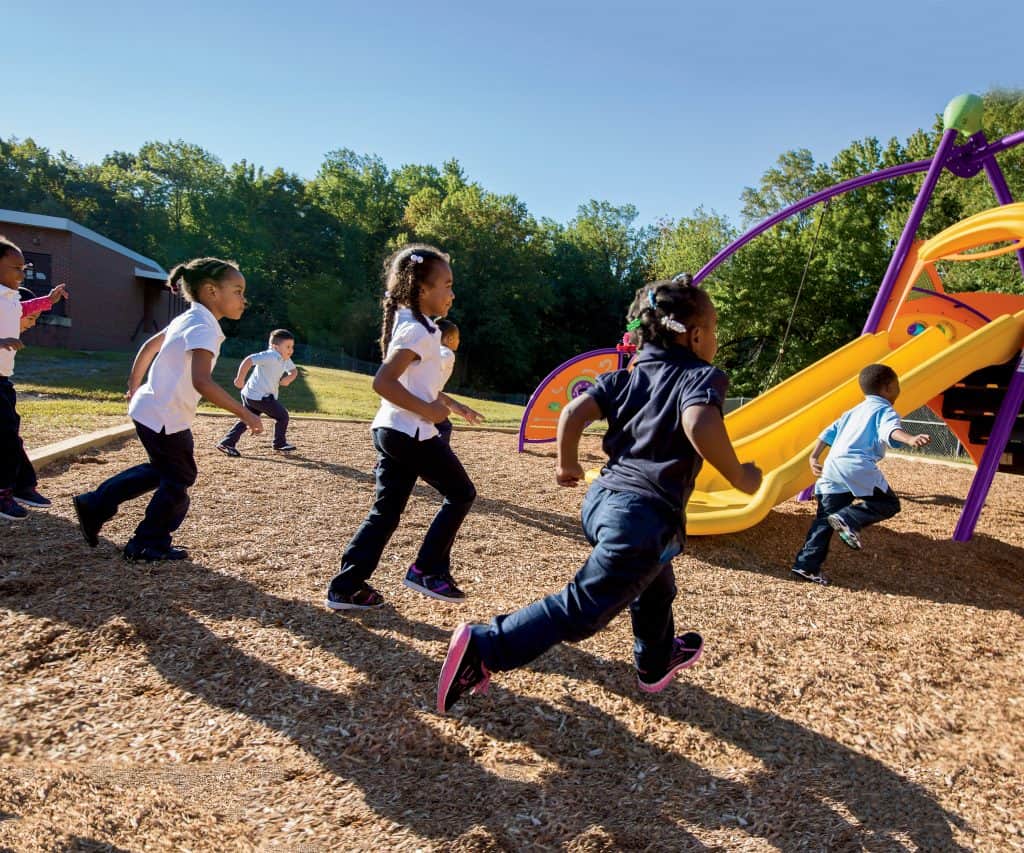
point(171, 470)
point(444, 431)
point(16, 472)
point(268, 406)
point(401, 460)
point(869, 510)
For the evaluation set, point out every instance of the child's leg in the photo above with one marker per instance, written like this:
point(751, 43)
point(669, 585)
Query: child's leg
point(272, 408)
point(629, 534)
point(815, 549)
point(238, 430)
point(871, 510)
point(653, 624)
point(16, 472)
point(441, 468)
point(173, 461)
point(395, 482)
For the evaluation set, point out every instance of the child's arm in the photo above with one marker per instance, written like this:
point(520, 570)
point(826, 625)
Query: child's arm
point(142, 362)
point(461, 409)
point(15, 344)
point(29, 320)
point(289, 378)
point(905, 437)
point(386, 384)
point(705, 428)
point(571, 423)
point(44, 303)
point(243, 369)
point(819, 448)
point(202, 381)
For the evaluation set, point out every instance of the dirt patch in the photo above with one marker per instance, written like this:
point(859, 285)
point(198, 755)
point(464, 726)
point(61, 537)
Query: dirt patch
point(217, 705)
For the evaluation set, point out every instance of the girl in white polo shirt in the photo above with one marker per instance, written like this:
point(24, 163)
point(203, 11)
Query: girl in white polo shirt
point(418, 284)
point(182, 358)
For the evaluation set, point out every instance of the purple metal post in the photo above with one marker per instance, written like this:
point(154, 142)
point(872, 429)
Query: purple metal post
point(910, 229)
point(1002, 191)
point(989, 464)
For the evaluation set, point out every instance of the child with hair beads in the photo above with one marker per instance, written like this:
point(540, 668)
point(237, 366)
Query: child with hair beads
point(182, 358)
point(17, 476)
point(851, 490)
point(449, 346)
point(418, 284)
point(271, 368)
point(664, 418)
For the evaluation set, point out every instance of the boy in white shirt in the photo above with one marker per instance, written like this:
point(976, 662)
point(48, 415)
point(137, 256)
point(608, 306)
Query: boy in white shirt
point(270, 369)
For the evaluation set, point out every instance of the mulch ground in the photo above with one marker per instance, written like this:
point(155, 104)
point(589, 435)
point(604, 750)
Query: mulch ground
point(217, 704)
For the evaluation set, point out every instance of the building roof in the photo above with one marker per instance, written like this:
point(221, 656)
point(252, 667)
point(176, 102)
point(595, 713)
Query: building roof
point(57, 223)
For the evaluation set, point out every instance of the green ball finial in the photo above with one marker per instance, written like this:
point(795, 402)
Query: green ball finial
point(964, 113)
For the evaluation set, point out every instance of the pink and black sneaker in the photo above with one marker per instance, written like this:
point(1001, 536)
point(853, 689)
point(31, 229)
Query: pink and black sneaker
point(686, 651)
point(463, 670)
point(440, 586)
point(363, 598)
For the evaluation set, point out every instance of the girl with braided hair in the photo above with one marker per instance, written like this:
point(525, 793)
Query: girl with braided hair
point(664, 418)
point(163, 408)
point(418, 285)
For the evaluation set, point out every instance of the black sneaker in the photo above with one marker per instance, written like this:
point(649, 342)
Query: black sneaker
point(11, 509)
point(30, 497)
point(441, 586)
point(686, 651)
point(148, 554)
point(462, 671)
point(87, 521)
point(364, 598)
point(846, 533)
point(228, 450)
point(805, 575)
point(285, 448)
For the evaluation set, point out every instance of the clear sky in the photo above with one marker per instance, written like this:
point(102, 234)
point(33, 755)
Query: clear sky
point(658, 104)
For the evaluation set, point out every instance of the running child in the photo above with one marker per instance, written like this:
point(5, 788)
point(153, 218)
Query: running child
point(664, 418)
point(163, 408)
point(17, 476)
point(418, 284)
point(851, 490)
point(271, 368)
point(449, 346)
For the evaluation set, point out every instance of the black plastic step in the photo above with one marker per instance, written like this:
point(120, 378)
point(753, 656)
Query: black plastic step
point(981, 431)
point(995, 374)
point(966, 403)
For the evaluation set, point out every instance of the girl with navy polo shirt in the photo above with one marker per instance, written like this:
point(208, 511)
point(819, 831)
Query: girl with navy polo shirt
point(182, 358)
point(418, 284)
point(664, 418)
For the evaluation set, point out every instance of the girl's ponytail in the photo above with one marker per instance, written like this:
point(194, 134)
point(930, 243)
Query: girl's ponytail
point(390, 309)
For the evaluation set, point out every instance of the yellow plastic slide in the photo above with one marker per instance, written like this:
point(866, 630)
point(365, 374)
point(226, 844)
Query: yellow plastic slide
point(778, 430)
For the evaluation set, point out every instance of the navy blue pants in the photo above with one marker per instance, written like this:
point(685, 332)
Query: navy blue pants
point(269, 406)
point(869, 510)
point(16, 472)
point(635, 538)
point(401, 460)
point(171, 470)
point(444, 431)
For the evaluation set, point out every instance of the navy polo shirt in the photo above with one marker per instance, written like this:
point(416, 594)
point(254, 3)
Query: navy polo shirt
point(648, 452)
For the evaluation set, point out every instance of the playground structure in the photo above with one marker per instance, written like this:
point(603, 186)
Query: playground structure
point(959, 355)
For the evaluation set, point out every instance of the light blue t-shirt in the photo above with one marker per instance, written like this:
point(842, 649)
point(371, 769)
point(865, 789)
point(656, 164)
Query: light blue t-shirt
point(858, 441)
point(267, 369)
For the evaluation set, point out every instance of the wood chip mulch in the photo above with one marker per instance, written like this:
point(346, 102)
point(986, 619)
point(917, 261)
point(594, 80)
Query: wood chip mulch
point(216, 704)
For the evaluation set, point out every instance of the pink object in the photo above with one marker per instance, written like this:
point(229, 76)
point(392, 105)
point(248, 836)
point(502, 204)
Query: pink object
point(34, 306)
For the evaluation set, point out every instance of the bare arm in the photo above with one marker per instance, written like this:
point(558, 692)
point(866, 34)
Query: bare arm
point(461, 409)
point(243, 369)
point(571, 423)
point(202, 381)
point(289, 378)
point(142, 362)
point(386, 384)
point(919, 440)
point(705, 428)
point(819, 448)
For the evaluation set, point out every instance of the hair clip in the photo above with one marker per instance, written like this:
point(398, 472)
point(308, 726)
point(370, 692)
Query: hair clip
point(683, 278)
point(673, 325)
point(634, 324)
point(651, 301)
point(415, 259)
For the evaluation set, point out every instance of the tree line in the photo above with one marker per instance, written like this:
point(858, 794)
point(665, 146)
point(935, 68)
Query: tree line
point(530, 292)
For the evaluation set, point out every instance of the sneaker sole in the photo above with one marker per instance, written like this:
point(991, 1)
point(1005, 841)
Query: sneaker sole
point(228, 453)
point(453, 661)
point(344, 605)
point(91, 542)
point(34, 504)
point(848, 537)
point(664, 681)
point(820, 580)
point(430, 593)
point(285, 449)
point(13, 517)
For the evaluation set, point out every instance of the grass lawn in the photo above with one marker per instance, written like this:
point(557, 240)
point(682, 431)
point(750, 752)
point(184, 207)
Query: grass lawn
point(64, 392)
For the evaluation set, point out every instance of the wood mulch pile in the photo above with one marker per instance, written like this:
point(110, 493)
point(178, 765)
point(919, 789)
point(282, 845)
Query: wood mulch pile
point(216, 704)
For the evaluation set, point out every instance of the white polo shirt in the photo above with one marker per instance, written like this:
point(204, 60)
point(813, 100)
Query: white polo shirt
point(267, 369)
point(168, 400)
point(422, 378)
point(447, 364)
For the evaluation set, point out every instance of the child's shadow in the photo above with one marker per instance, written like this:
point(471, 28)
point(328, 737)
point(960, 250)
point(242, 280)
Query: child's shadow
point(413, 774)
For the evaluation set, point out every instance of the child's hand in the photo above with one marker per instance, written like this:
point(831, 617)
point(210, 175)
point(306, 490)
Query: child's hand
point(58, 293)
point(252, 421)
point(437, 412)
point(816, 466)
point(11, 344)
point(469, 415)
point(920, 440)
point(29, 320)
point(570, 474)
point(749, 480)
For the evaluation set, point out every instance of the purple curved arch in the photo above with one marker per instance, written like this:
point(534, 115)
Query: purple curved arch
point(954, 300)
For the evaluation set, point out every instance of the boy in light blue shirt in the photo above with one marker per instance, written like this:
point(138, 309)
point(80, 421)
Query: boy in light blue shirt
point(851, 490)
point(270, 369)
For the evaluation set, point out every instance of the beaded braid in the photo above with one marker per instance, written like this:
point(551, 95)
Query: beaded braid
point(187, 278)
point(404, 272)
point(664, 309)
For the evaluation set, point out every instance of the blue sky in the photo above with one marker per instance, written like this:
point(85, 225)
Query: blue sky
point(651, 103)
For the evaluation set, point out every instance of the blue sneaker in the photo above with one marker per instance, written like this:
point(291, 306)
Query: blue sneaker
point(10, 508)
point(30, 497)
point(441, 586)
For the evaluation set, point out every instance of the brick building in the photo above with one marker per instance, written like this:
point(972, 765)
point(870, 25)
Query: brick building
point(118, 297)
